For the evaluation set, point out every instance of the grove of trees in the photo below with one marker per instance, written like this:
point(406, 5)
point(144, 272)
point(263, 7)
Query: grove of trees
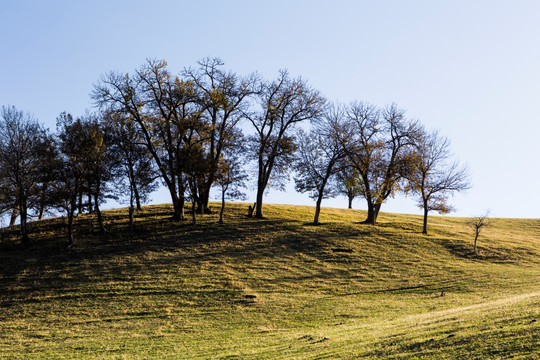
point(208, 128)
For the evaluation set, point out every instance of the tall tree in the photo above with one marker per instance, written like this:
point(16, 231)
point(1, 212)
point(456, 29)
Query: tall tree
point(379, 145)
point(137, 166)
point(72, 172)
point(318, 159)
point(435, 177)
point(101, 162)
point(285, 102)
point(224, 98)
point(24, 150)
point(164, 107)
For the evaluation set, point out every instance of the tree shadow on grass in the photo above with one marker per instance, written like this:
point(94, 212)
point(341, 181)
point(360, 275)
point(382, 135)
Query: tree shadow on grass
point(494, 255)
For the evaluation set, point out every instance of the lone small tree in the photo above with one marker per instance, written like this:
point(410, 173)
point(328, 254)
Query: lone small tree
point(478, 224)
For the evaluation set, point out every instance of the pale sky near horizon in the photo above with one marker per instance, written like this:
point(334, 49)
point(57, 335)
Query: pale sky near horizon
point(470, 69)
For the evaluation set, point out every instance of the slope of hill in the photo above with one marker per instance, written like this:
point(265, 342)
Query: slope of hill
point(272, 288)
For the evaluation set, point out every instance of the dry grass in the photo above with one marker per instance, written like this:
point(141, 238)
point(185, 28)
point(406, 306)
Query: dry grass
point(272, 288)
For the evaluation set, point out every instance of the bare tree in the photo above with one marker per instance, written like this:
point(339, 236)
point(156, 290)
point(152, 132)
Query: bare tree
point(137, 166)
point(24, 151)
point(73, 170)
point(434, 176)
point(379, 146)
point(285, 103)
point(478, 223)
point(224, 99)
point(318, 159)
point(165, 107)
point(348, 182)
point(231, 179)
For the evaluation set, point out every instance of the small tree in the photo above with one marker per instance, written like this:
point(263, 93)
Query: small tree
point(478, 223)
point(231, 178)
point(349, 183)
point(434, 177)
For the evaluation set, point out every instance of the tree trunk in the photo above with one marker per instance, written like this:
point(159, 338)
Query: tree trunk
point(262, 182)
point(138, 197)
point(259, 201)
point(373, 213)
point(131, 210)
point(90, 205)
point(222, 207)
point(351, 198)
point(321, 194)
point(100, 218)
point(24, 228)
point(42, 201)
point(475, 248)
point(200, 206)
point(424, 229)
point(370, 213)
point(193, 214)
point(71, 213)
point(317, 210)
point(377, 209)
point(80, 203)
point(204, 199)
point(178, 206)
point(41, 211)
point(14, 215)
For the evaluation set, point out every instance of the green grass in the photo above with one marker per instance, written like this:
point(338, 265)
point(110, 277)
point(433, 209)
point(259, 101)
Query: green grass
point(277, 288)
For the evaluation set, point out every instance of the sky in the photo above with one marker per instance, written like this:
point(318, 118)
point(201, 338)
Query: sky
point(470, 69)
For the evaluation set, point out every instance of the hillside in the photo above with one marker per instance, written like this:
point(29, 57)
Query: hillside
point(272, 288)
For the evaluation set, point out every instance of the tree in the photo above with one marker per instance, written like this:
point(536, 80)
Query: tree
point(49, 167)
point(379, 146)
point(101, 162)
point(318, 160)
point(137, 166)
point(478, 223)
point(224, 98)
point(285, 102)
point(231, 178)
point(164, 107)
point(71, 174)
point(434, 177)
point(24, 151)
point(348, 182)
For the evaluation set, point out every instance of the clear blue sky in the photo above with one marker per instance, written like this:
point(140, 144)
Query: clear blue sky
point(468, 68)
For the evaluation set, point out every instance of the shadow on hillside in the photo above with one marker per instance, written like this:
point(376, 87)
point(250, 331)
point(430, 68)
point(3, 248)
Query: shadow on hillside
point(485, 253)
point(120, 254)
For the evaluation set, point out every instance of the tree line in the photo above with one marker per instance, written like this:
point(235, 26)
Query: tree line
point(186, 131)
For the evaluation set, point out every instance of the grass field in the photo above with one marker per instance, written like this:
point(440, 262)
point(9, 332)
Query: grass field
point(277, 288)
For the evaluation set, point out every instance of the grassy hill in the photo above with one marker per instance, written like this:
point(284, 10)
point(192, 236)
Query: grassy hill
point(277, 288)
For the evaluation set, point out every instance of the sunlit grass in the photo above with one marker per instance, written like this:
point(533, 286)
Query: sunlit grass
point(272, 288)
